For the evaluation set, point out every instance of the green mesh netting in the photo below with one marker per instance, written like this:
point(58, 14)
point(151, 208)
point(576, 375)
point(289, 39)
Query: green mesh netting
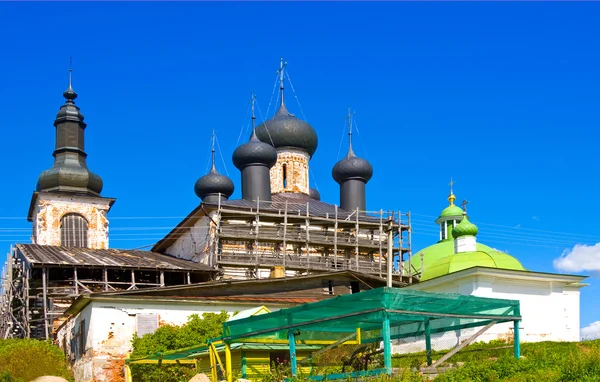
point(407, 311)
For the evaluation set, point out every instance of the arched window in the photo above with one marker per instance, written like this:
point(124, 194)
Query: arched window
point(284, 175)
point(73, 231)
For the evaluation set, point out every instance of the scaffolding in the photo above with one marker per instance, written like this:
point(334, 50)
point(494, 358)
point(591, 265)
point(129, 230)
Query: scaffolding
point(36, 291)
point(300, 237)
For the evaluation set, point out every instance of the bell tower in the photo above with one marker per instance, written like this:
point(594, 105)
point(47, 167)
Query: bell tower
point(66, 207)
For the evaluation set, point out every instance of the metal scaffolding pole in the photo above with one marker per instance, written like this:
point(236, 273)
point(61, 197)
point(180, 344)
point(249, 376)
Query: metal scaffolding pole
point(45, 297)
point(390, 251)
point(380, 243)
point(307, 222)
point(335, 230)
point(356, 245)
point(284, 235)
point(410, 270)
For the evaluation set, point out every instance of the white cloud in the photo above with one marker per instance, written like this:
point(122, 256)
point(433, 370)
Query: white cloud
point(518, 226)
point(581, 258)
point(536, 218)
point(591, 332)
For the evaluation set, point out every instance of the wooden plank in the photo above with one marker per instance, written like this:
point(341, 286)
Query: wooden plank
point(462, 345)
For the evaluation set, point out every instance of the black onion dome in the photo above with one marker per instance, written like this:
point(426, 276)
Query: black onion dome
point(285, 130)
point(314, 194)
point(213, 183)
point(352, 167)
point(71, 178)
point(254, 152)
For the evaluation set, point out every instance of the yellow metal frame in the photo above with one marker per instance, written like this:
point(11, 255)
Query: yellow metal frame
point(226, 369)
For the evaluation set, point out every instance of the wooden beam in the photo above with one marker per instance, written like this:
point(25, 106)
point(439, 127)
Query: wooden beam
point(75, 283)
point(329, 347)
point(105, 277)
point(462, 345)
point(45, 297)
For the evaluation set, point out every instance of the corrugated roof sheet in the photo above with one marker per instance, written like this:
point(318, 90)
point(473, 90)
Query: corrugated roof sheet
point(112, 258)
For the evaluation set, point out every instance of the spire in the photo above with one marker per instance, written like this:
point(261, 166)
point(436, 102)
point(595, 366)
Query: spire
point(350, 150)
point(252, 102)
point(281, 71)
point(213, 168)
point(70, 94)
point(451, 197)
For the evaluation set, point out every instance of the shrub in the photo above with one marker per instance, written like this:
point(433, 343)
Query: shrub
point(27, 359)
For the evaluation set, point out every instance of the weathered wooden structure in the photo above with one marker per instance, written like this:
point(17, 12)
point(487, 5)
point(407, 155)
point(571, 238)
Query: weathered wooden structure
point(42, 281)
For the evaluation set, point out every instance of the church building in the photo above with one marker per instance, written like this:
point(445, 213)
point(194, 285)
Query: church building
point(279, 228)
point(458, 263)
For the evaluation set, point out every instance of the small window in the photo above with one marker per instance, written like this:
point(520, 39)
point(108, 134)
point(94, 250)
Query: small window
point(284, 175)
point(443, 231)
point(82, 339)
point(146, 323)
point(73, 231)
point(355, 286)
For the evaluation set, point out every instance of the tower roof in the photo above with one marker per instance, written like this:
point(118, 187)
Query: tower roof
point(352, 167)
point(69, 172)
point(213, 183)
point(284, 129)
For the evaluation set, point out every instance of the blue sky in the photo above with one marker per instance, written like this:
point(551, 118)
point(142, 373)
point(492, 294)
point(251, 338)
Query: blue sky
point(503, 97)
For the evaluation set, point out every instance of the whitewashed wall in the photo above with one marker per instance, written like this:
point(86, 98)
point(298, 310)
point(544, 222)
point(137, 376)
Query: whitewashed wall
point(549, 307)
point(112, 325)
point(195, 244)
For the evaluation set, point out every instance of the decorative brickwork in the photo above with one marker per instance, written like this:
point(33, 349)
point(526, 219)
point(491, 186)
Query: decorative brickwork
point(50, 208)
point(290, 173)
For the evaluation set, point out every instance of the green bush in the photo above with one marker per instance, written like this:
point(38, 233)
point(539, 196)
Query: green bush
point(196, 331)
point(27, 359)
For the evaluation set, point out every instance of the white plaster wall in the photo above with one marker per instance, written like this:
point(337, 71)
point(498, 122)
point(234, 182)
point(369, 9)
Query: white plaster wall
point(50, 208)
point(196, 243)
point(112, 325)
point(550, 311)
point(82, 365)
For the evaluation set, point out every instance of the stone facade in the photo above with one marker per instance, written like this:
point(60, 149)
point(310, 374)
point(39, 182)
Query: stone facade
point(290, 173)
point(51, 207)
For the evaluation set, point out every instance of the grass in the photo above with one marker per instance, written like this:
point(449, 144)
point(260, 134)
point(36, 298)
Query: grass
point(483, 362)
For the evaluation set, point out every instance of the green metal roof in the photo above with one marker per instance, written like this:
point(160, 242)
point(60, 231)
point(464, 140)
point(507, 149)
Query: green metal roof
point(464, 260)
point(451, 210)
point(436, 252)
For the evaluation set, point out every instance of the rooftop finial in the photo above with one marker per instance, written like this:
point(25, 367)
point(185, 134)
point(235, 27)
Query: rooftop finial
point(451, 197)
point(281, 70)
point(70, 94)
point(71, 73)
point(212, 151)
point(463, 205)
point(252, 102)
point(349, 119)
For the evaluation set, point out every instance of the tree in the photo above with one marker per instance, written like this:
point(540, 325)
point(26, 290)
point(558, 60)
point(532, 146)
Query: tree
point(196, 331)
